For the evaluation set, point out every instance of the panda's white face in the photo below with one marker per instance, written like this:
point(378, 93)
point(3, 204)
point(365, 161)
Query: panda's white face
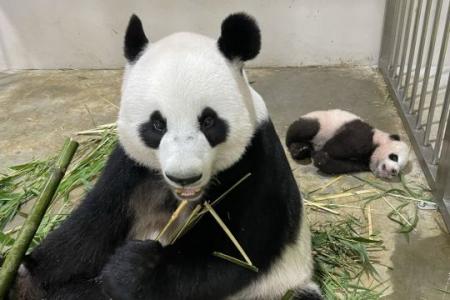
point(389, 159)
point(187, 111)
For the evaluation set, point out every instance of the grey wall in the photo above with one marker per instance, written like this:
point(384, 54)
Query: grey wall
point(53, 34)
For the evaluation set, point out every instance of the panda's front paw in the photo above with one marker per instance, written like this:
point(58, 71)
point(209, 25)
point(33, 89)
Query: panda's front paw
point(125, 274)
point(320, 158)
point(300, 151)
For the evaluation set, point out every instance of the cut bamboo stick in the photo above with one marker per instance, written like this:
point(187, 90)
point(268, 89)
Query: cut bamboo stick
point(329, 183)
point(369, 219)
point(18, 250)
point(191, 217)
point(320, 206)
point(342, 195)
point(173, 217)
point(228, 232)
point(234, 260)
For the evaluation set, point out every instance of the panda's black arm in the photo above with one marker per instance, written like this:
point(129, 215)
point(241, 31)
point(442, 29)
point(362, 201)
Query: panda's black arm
point(187, 269)
point(354, 141)
point(79, 248)
point(186, 276)
point(146, 270)
point(330, 165)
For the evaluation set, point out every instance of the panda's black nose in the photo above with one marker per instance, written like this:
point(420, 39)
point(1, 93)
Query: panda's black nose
point(394, 172)
point(185, 180)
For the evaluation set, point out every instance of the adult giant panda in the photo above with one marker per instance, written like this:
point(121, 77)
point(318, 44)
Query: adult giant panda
point(341, 142)
point(190, 126)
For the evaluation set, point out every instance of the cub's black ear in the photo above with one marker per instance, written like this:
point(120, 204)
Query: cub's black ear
point(395, 137)
point(135, 39)
point(240, 37)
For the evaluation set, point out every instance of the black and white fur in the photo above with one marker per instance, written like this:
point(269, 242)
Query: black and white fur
point(341, 142)
point(190, 126)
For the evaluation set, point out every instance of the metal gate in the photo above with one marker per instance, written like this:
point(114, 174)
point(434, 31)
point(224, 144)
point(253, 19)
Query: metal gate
point(416, 66)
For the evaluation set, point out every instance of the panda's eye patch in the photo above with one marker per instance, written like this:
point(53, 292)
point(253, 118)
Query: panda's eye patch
point(158, 122)
point(152, 131)
point(393, 157)
point(213, 127)
point(207, 122)
point(159, 125)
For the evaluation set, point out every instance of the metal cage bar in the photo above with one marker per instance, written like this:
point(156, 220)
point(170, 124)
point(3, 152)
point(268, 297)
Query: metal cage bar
point(412, 49)
point(406, 32)
point(437, 79)
point(444, 117)
point(423, 37)
point(428, 64)
point(442, 189)
point(405, 45)
point(398, 36)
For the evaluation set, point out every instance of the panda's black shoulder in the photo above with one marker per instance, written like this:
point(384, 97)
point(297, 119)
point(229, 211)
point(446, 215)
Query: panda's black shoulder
point(357, 126)
point(357, 130)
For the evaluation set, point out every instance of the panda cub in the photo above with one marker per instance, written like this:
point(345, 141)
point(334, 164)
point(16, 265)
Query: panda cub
point(340, 142)
point(190, 126)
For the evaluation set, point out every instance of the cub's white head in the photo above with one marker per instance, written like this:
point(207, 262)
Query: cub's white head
point(389, 157)
point(187, 109)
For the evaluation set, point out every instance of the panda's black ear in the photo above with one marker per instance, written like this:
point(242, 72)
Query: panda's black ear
point(240, 37)
point(135, 39)
point(395, 137)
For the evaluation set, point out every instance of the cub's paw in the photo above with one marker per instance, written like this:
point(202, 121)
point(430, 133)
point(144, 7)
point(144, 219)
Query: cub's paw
point(320, 158)
point(300, 150)
point(128, 269)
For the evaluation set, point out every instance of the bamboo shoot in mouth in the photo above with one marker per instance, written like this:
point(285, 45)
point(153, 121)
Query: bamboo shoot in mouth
point(195, 215)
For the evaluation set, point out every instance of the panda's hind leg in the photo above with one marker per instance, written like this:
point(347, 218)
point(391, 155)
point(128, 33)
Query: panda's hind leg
point(299, 136)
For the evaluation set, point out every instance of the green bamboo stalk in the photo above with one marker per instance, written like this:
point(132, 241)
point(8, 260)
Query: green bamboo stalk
point(18, 250)
point(289, 295)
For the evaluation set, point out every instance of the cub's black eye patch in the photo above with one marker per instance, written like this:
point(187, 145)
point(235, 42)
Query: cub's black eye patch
point(214, 128)
point(152, 131)
point(393, 157)
point(395, 137)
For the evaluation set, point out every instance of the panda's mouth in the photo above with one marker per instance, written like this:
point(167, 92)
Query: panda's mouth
point(188, 193)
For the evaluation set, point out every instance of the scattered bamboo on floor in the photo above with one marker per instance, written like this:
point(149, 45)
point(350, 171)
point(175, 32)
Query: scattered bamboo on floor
point(320, 206)
point(342, 256)
point(25, 182)
point(28, 230)
point(398, 213)
point(329, 183)
point(369, 220)
point(99, 130)
point(409, 198)
point(343, 195)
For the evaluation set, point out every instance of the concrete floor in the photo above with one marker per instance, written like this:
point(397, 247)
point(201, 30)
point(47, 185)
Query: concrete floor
point(39, 108)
